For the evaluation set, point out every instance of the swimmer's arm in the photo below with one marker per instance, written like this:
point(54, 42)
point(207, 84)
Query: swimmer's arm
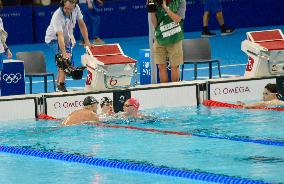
point(167, 119)
point(253, 105)
point(241, 103)
point(264, 104)
point(95, 117)
point(154, 118)
point(147, 117)
point(274, 102)
point(92, 118)
point(65, 122)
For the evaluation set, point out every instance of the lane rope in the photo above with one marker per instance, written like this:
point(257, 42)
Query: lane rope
point(144, 168)
point(212, 103)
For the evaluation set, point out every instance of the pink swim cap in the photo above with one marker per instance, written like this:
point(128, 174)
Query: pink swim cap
point(134, 102)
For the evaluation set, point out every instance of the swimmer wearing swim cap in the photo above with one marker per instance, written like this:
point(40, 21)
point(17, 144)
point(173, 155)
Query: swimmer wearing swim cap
point(131, 107)
point(86, 115)
point(106, 106)
point(271, 98)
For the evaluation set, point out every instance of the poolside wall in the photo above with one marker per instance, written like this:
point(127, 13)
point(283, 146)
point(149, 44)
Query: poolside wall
point(125, 18)
point(185, 93)
point(18, 107)
point(233, 90)
point(150, 96)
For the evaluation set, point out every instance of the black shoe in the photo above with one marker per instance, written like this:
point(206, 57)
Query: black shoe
point(207, 34)
point(227, 31)
point(98, 41)
point(61, 87)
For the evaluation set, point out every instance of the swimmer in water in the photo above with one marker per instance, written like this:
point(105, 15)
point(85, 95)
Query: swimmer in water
point(107, 106)
point(271, 98)
point(87, 114)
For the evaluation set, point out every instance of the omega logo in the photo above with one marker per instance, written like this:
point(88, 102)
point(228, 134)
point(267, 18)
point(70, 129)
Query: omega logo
point(233, 90)
point(65, 105)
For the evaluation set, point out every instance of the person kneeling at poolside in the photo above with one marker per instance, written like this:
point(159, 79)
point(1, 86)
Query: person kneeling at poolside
point(271, 98)
point(87, 114)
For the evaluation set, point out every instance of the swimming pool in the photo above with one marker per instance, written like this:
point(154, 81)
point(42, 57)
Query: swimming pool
point(232, 143)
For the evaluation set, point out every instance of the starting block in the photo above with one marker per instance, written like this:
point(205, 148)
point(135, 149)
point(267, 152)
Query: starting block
point(265, 50)
point(108, 68)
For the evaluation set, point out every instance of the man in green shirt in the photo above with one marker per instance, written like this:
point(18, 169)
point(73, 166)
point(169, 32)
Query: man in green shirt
point(168, 23)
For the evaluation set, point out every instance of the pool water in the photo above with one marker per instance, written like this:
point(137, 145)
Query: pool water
point(34, 170)
point(224, 142)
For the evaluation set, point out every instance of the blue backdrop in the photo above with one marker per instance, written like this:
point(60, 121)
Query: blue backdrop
point(126, 18)
point(18, 22)
point(41, 20)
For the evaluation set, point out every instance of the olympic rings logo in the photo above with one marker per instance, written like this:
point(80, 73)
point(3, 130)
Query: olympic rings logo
point(12, 78)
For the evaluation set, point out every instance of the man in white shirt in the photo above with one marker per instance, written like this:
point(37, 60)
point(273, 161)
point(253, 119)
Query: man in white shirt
point(59, 34)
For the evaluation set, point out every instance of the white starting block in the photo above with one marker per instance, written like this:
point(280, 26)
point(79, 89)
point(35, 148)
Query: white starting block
point(265, 50)
point(108, 67)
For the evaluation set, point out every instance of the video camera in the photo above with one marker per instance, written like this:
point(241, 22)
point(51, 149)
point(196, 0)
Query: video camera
point(152, 5)
point(65, 64)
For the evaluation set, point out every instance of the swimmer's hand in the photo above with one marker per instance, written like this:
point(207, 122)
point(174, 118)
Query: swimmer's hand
point(240, 103)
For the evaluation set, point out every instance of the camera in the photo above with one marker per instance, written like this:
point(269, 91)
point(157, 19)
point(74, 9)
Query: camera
point(152, 5)
point(159, 2)
point(65, 64)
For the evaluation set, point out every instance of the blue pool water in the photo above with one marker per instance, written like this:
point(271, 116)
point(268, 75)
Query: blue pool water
point(220, 144)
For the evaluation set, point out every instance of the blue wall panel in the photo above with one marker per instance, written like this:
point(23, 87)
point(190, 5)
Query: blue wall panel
point(18, 23)
point(42, 17)
point(122, 19)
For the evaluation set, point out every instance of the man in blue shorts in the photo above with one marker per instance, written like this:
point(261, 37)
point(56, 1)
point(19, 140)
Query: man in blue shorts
point(92, 18)
point(214, 7)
